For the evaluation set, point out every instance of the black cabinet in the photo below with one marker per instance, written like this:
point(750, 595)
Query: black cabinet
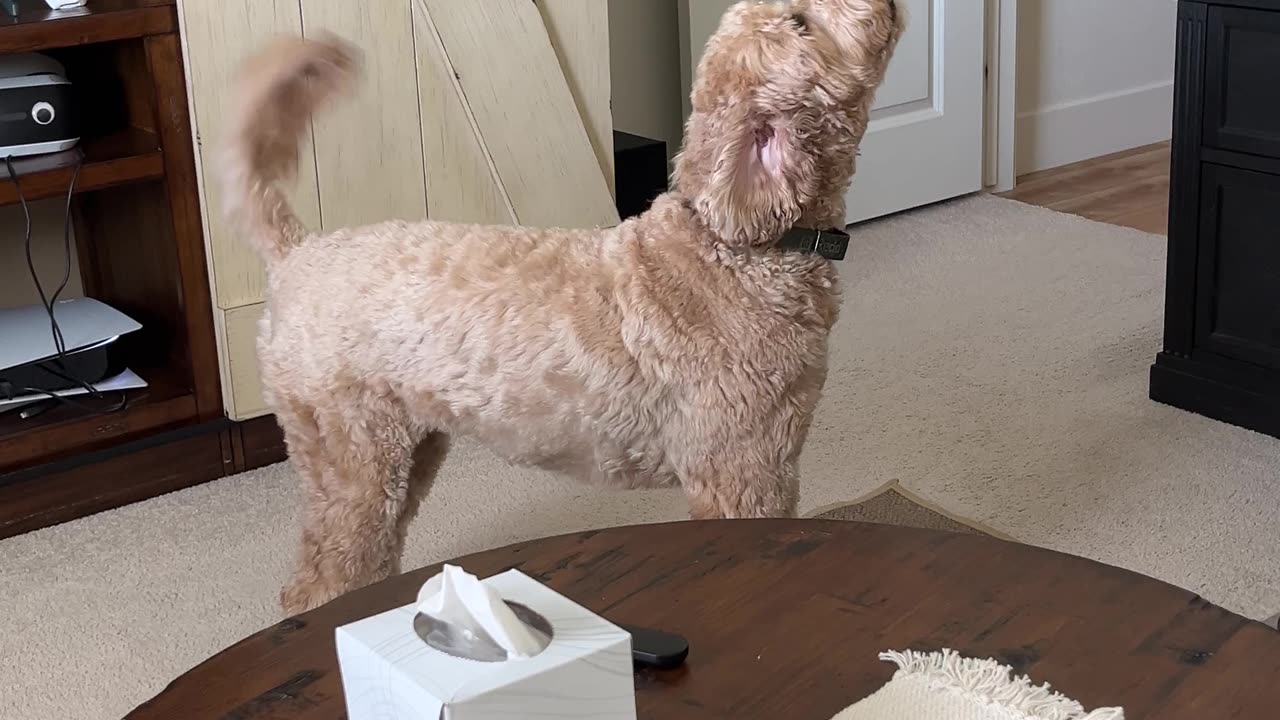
point(1222, 316)
point(1241, 110)
point(1238, 279)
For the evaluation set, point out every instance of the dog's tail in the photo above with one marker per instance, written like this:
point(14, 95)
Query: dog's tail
point(278, 92)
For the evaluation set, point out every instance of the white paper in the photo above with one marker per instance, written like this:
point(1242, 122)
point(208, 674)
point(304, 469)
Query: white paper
point(127, 380)
point(459, 598)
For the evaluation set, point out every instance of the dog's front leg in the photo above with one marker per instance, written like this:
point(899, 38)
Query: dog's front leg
point(724, 485)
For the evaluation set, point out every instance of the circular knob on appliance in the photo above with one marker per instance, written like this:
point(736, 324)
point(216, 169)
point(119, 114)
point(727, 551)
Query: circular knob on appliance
point(42, 113)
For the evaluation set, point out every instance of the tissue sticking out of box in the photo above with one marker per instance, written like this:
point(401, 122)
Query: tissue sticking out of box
point(464, 617)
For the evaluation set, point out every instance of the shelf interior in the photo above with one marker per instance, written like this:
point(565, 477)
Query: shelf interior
point(124, 156)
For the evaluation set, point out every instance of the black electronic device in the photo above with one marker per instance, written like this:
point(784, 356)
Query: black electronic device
point(83, 350)
point(91, 364)
point(656, 649)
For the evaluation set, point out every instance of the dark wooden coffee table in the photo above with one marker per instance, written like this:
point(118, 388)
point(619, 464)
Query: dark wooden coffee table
point(785, 620)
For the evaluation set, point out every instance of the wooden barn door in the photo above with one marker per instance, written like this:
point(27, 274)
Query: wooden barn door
point(488, 112)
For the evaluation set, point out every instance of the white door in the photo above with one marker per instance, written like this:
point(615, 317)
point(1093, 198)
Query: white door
point(925, 141)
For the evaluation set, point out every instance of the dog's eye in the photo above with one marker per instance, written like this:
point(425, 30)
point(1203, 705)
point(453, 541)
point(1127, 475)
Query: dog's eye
point(800, 23)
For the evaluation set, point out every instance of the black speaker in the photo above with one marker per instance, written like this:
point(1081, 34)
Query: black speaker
point(640, 166)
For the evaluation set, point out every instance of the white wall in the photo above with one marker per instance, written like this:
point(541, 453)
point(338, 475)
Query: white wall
point(1094, 77)
point(644, 48)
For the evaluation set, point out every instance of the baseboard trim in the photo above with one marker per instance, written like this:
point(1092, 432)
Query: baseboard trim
point(1070, 132)
point(71, 488)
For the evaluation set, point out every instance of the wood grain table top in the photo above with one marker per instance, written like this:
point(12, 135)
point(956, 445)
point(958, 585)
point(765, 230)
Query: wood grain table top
point(785, 619)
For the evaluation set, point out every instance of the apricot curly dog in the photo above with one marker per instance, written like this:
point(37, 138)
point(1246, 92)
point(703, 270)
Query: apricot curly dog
point(683, 347)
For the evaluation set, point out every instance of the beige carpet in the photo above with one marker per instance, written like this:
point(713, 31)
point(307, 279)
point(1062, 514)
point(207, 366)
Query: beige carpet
point(992, 358)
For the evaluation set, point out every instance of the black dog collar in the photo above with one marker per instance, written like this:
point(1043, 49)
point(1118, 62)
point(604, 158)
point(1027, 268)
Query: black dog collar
point(830, 244)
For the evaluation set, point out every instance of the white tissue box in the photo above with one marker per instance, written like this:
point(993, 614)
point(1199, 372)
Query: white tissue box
point(390, 673)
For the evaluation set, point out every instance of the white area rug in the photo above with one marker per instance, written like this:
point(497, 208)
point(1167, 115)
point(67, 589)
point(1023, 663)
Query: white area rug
point(992, 358)
point(947, 686)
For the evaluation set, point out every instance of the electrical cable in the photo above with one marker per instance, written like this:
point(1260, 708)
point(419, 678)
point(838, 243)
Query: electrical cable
point(58, 366)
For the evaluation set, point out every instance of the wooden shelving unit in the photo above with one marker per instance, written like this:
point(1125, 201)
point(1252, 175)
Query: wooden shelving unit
point(39, 29)
point(140, 244)
point(123, 157)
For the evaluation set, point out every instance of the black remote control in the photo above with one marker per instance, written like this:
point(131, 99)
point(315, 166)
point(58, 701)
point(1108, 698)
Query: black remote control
point(655, 649)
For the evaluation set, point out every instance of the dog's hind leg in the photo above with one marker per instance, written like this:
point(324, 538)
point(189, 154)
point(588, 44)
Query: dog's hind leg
point(356, 455)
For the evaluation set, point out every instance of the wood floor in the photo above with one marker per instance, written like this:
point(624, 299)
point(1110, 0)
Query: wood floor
point(1129, 188)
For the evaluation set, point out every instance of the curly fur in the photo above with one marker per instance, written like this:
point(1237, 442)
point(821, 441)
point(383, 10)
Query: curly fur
point(677, 349)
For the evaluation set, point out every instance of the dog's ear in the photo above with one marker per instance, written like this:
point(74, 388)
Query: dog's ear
point(745, 172)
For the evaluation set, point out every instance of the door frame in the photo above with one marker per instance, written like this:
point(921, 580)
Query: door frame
point(1000, 118)
point(1000, 125)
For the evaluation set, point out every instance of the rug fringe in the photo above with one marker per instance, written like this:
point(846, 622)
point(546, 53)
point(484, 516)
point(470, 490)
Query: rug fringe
point(990, 682)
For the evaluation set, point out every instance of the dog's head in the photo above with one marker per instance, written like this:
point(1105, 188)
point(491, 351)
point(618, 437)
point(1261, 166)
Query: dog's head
point(780, 103)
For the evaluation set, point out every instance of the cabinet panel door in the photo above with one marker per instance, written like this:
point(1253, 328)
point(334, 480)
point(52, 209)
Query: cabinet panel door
point(1238, 288)
point(369, 147)
point(1242, 107)
point(579, 32)
point(216, 37)
point(241, 383)
point(523, 111)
